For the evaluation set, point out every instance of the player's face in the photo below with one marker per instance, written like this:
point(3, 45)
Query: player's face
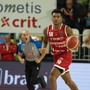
point(56, 18)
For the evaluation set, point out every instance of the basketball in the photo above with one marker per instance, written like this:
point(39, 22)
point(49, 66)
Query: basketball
point(72, 42)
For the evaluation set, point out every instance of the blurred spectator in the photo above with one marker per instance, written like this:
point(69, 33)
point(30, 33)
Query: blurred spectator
point(87, 21)
point(81, 13)
point(86, 42)
point(70, 14)
point(89, 5)
point(8, 49)
point(86, 46)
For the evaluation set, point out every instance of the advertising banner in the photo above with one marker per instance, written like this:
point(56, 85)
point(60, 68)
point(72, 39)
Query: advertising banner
point(12, 76)
point(32, 15)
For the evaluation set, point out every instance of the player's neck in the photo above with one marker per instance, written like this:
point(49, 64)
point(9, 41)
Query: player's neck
point(56, 27)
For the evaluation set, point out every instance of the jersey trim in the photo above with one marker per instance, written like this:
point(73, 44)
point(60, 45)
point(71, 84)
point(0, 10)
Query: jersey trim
point(65, 30)
point(60, 67)
point(64, 71)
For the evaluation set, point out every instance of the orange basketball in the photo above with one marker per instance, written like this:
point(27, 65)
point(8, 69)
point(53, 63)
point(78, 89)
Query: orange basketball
point(72, 42)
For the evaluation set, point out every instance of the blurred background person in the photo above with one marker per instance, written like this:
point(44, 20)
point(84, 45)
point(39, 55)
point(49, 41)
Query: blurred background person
point(86, 46)
point(8, 49)
point(87, 21)
point(87, 40)
point(29, 53)
point(70, 14)
point(37, 40)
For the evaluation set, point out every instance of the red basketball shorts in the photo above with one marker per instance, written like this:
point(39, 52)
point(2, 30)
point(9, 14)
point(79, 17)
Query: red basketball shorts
point(63, 61)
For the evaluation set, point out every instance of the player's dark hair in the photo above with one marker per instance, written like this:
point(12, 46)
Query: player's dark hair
point(56, 11)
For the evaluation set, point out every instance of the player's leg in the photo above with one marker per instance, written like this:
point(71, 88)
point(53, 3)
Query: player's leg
point(67, 78)
point(55, 73)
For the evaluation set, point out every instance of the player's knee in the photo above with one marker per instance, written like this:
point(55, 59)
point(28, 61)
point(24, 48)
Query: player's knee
point(72, 85)
point(69, 82)
point(52, 77)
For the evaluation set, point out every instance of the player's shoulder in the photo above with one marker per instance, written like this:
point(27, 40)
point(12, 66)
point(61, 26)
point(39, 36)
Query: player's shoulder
point(49, 26)
point(45, 30)
point(69, 31)
point(68, 27)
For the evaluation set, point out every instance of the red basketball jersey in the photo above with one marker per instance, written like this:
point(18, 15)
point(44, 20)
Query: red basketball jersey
point(57, 39)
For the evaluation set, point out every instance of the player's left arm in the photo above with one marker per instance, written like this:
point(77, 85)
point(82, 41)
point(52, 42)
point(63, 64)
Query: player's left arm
point(69, 32)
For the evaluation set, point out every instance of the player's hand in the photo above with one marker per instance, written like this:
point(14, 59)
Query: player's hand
point(43, 50)
point(37, 60)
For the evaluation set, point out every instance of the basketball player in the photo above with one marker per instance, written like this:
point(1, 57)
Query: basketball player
point(32, 59)
point(56, 34)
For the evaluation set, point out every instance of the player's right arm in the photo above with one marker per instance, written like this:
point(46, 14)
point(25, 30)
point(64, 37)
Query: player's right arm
point(43, 50)
point(45, 38)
